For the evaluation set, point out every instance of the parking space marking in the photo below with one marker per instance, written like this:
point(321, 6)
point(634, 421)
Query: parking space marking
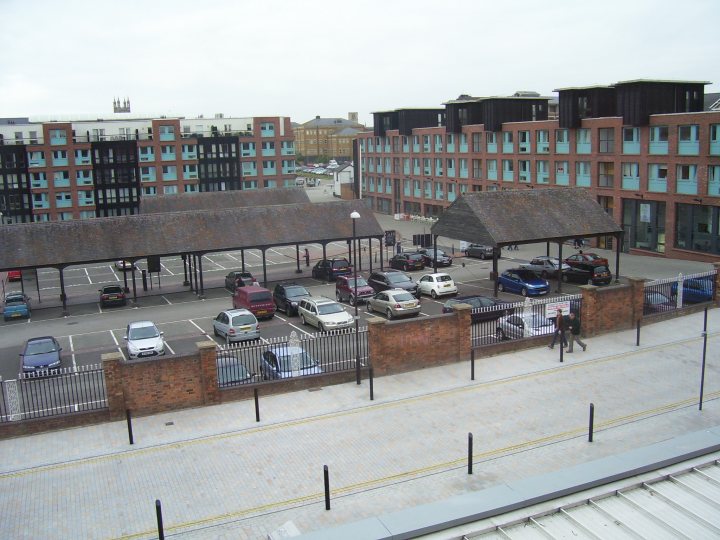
point(164, 298)
point(117, 344)
point(169, 348)
point(201, 330)
point(298, 328)
point(72, 353)
point(166, 269)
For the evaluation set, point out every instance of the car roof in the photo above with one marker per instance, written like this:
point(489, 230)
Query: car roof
point(141, 324)
point(321, 300)
point(238, 311)
point(436, 274)
point(396, 290)
point(285, 350)
point(41, 338)
point(15, 293)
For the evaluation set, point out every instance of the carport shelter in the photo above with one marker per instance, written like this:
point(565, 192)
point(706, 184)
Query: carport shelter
point(503, 218)
point(190, 234)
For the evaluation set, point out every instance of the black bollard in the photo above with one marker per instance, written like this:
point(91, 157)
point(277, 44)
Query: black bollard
point(472, 364)
point(326, 476)
point(562, 348)
point(637, 334)
point(158, 514)
point(129, 425)
point(590, 426)
point(470, 453)
point(257, 405)
point(702, 369)
point(372, 393)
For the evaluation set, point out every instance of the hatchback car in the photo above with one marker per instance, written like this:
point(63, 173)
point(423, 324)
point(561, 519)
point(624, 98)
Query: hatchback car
point(236, 325)
point(324, 314)
point(657, 302)
point(430, 254)
point(284, 361)
point(287, 297)
point(694, 290)
point(518, 326)
point(238, 278)
point(16, 305)
point(439, 284)
point(591, 258)
point(230, 372)
point(493, 307)
point(124, 265)
point(394, 303)
point(329, 269)
point(479, 251)
point(392, 279)
point(407, 261)
point(545, 266)
point(143, 339)
point(111, 295)
point(521, 281)
point(345, 289)
point(40, 355)
point(592, 274)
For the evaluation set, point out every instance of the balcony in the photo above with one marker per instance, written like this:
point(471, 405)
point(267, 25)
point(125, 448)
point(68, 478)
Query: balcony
point(290, 169)
point(508, 148)
point(58, 140)
point(631, 182)
point(63, 203)
point(451, 196)
point(583, 148)
point(416, 170)
point(508, 176)
point(61, 182)
point(36, 162)
point(687, 187)
point(168, 156)
point(192, 154)
point(249, 172)
point(463, 150)
point(416, 148)
point(269, 171)
point(451, 147)
point(715, 148)
point(405, 148)
point(562, 179)
point(657, 185)
point(524, 148)
point(562, 148)
point(268, 152)
point(167, 136)
point(688, 148)
point(492, 148)
point(169, 176)
point(714, 188)
point(451, 173)
point(145, 157)
point(417, 193)
point(583, 180)
point(543, 148)
point(438, 171)
point(41, 205)
point(83, 160)
point(148, 177)
point(60, 161)
point(250, 152)
point(492, 174)
point(658, 148)
point(543, 178)
point(267, 131)
point(38, 184)
point(287, 151)
point(523, 177)
point(631, 148)
point(463, 173)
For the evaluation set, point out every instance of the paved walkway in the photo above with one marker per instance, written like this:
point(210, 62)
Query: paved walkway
point(220, 474)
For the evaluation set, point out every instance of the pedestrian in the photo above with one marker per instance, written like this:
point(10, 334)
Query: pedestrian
point(559, 331)
point(573, 324)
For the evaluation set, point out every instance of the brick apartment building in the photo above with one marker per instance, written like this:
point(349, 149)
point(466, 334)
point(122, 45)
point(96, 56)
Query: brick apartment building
point(81, 169)
point(647, 150)
point(330, 138)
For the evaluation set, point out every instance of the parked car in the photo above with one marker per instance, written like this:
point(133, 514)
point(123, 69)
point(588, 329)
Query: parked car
point(392, 279)
point(112, 295)
point(518, 326)
point(14, 275)
point(429, 255)
point(591, 274)
point(236, 325)
point(324, 314)
point(285, 361)
point(546, 266)
point(16, 305)
point(694, 290)
point(657, 302)
point(394, 303)
point(435, 285)
point(311, 182)
point(345, 289)
point(407, 261)
point(287, 297)
point(238, 278)
point(329, 269)
point(41, 355)
point(591, 258)
point(231, 372)
point(521, 281)
point(143, 339)
point(479, 251)
point(124, 265)
point(495, 307)
point(258, 300)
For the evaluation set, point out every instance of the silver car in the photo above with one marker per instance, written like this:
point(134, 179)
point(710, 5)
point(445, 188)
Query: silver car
point(325, 314)
point(144, 340)
point(236, 325)
point(522, 325)
point(545, 266)
point(394, 303)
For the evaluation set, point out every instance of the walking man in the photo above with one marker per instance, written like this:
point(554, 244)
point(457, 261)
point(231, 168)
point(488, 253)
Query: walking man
point(559, 331)
point(573, 324)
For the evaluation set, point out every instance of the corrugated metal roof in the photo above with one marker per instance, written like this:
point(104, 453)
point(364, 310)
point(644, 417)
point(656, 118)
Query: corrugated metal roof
point(522, 216)
point(215, 200)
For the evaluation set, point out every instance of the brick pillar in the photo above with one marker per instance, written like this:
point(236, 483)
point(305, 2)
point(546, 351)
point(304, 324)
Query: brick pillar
point(112, 366)
point(376, 346)
point(589, 322)
point(717, 282)
point(208, 372)
point(637, 299)
point(463, 313)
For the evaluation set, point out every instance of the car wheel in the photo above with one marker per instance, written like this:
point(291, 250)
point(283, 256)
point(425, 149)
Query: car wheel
point(524, 291)
point(389, 313)
point(406, 267)
point(565, 278)
point(482, 256)
point(321, 328)
point(501, 287)
point(433, 294)
point(500, 334)
point(302, 319)
point(338, 296)
point(351, 299)
point(590, 282)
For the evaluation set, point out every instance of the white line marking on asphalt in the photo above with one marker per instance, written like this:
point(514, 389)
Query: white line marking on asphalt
point(72, 353)
point(168, 301)
point(169, 348)
point(303, 331)
point(87, 275)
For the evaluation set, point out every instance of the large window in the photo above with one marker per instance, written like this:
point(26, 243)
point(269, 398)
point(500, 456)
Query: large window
point(607, 140)
point(696, 228)
point(644, 225)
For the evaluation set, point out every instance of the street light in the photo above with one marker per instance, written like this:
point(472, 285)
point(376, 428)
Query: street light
point(355, 216)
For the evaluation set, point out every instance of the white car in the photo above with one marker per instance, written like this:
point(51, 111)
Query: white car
point(523, 325)
point(436, 285)
point(323, 313)
point(144, 339)
point(236, 325)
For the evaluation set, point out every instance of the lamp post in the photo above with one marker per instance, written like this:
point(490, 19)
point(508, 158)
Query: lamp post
point(355, 216)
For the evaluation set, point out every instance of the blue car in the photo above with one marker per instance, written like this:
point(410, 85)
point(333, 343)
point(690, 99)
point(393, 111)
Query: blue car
point(522, 281)
point(694, 290)
point(17, 305)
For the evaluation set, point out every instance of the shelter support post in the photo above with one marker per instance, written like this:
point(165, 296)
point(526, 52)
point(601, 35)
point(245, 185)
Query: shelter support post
point(185, 270)
point(370, 255)
point(63, 296)
point(297, 259)
point(350, 254)
point(496, 254)
point(324, 251)
point(125, 287)
point(202, 288)
point(547, 248)
point(382, 264)
point(264, 258)
point(560, 263)
point(435, 237)
point(134, 283)
point(618, 242)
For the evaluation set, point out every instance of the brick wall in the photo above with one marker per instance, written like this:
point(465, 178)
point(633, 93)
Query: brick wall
point(611, 308)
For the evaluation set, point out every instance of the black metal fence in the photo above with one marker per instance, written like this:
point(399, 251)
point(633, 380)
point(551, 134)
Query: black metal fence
point(519, 320)
point(326, 352)
point(67, 390)
point(670, 294)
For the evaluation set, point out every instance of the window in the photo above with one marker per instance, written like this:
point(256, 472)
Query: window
point(606, 174)
point(687, 133)
point(607, 140)
point(477, 142)
point(477, 168)
point(659, 134)
point(170, 190)
point(561, 136)
point(686, 172)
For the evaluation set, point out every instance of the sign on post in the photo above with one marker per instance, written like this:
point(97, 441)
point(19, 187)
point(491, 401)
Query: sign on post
point(552, 308)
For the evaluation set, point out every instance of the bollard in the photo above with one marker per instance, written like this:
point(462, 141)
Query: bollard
point(590, 426)
point(470, 453)
point(637, 334)
point(257, 405)
point(372, 393)
point(562, 348)
point(472, 364)
point(158, 514)
point(326, 476)
point(129, 425)
point(702, 370)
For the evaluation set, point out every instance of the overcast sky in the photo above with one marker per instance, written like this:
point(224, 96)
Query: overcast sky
point(302, 58)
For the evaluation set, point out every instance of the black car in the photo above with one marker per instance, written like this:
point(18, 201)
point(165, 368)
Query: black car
point(479, 251)
point(237, 278)
point(111, 295)
point(408, 261)
point(588, 273)
point(287, 296)
point(494, 308)
point(392, 279)
point(429, 255)
point(329, 269)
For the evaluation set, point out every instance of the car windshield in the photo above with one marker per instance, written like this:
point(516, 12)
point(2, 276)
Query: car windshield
point(397, 277)
point(360, 282)
point(327, 309)
point(537, 321)
point(592, 256)
point(228, 373)
point(261, 296)
point(527, 275)
point(143, 332)
point(415, 256)
point(656, 298)
point(403, 297)
point(241, 320)
point(294, 292)
point(13, 300)
point(601, 269)
point(112, 290)
point(294, 362)
point(40, 347)
point(340, 264)
point(444, 277)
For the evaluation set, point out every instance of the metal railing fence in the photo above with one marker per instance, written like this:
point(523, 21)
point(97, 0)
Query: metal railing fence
point(670, 294)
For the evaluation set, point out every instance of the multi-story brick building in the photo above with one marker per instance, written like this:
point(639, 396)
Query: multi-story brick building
point(646, 150)
point(327, 137)
point(82, 169)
